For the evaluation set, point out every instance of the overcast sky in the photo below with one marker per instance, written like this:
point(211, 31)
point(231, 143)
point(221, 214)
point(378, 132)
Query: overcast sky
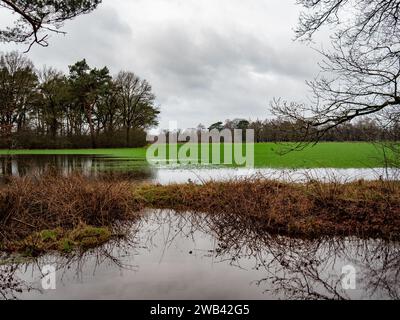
point(208, 60)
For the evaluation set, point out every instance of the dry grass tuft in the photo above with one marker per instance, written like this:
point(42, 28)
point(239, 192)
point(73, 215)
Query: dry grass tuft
point(29, 205)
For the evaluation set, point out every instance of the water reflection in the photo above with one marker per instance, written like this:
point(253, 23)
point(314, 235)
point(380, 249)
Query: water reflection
point(90, 166)
point(10, 284)
point(138, 169)
point(173, 255)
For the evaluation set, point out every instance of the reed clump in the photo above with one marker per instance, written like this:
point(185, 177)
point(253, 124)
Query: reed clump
point(32, 204)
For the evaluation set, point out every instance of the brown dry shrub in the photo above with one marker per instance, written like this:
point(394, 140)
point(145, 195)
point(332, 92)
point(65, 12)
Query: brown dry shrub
point(33, 204)
point(364, 209)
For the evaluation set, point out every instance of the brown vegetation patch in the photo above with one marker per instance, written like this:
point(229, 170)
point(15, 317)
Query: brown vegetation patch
point(64, 213)
point(29, 205)
point(363, 209)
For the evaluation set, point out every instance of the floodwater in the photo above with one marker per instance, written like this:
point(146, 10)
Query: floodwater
point(194, 256)
point(137, 169)
point(170, 255)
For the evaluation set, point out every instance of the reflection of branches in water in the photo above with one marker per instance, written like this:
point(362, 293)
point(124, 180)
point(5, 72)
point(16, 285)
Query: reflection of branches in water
point(295, 268)
point(10, 284)
point(377, 264)
point(291, 268)
point(112, 253)
point(381, 268)
point(305, 269)
point(170, 226)
point(300, 270)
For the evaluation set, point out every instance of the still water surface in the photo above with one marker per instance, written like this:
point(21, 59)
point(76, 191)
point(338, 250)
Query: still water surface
point(194, 256)
point(137, 169)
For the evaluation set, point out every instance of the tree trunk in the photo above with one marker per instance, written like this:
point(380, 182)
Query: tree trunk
point(128, 129)
point(88, 111)
point(6, 134)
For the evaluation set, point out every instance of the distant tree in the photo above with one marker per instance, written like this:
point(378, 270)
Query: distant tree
point(87, 107)
point(89, 85)
point(136, 102)
point(39, 17)
point(55, 98)
point(257, 126)
point(107, 113)
point(18, 82)
point(242, 124)
point(218, 125)
point(283, 130)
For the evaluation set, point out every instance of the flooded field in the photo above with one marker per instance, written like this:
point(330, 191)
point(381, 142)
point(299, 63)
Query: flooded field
point(22, 165)
point(193, 256)
point(170, 255)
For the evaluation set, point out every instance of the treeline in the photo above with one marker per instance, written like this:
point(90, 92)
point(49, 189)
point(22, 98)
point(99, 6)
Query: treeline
point(279, 130)
point(85, 108)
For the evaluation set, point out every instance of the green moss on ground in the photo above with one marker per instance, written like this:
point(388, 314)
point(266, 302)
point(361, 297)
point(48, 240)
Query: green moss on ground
point(65, 241)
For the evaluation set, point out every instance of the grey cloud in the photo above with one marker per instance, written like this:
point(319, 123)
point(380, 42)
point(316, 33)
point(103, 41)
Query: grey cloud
point(209, 76)
point(203, 69)
point(97, 37)
point(196, 59)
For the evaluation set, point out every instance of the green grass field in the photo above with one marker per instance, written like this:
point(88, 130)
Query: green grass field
point(323, 155)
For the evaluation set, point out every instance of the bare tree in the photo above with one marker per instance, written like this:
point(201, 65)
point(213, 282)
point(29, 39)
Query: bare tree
point(18, 82)
point(136, 102)
point(360, 73)
point(36, 16)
